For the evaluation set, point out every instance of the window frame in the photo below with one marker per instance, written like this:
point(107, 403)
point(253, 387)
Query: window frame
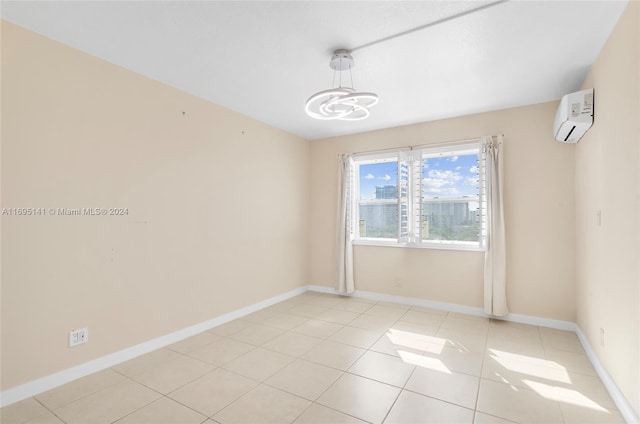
point(424, 152)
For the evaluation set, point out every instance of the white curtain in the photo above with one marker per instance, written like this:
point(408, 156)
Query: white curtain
point(344, 227)
point(495, 293)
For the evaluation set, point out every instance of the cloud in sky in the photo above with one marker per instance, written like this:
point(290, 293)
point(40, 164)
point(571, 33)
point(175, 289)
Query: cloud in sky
point(433, 188)
point(458, 168)
point(433, 183)
point(473, 169)
point(386, 178)
point(453, 158)
point(470, 181)
point(448, 175)
point(369, 177)
point(441, 182)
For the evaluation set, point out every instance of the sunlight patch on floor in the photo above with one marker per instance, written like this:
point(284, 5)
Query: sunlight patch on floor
point(424, 361)
point(536, 367)
point(416, 341)
point(562, 394)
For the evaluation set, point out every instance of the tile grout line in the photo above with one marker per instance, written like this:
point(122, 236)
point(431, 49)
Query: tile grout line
point(105, 388)
point(293, 394)
point(209, 372)
point(405, 383)
point(48, 409)
point(175, 389)
point(392, 405)
point(402, 389)
point(52, 410)
point(187, 406)
point(344, 372)
point(295, 358)
point(484, 358)
point(303, 411)
point(341, 412)
point(546, 356)
point(143, 406)
point(235, 400)
point(320, 395)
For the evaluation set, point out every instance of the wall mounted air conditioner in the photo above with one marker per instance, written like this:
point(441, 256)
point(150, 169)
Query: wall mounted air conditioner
point(574, 116)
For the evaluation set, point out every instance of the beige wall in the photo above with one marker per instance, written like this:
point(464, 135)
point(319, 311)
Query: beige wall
point(539, 210)
point(607, 179)
point(218, 208)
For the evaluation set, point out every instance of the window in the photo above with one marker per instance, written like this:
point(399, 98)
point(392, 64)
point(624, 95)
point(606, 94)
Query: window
point(378, 198)
point(428, 197)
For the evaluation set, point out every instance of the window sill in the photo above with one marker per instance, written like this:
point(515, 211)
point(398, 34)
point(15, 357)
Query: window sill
point(436, 246)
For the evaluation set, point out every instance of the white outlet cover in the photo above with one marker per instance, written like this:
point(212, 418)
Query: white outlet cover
point(79, 336)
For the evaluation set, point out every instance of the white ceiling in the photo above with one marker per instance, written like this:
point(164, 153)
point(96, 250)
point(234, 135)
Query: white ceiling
point(264, 59)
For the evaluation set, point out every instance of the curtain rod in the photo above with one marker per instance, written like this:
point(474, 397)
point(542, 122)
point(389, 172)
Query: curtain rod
point(411, 147)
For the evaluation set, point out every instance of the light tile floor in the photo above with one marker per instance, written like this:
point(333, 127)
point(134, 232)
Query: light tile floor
point(320, 358)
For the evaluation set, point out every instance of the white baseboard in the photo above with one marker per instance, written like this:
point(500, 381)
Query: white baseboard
point(451, 307)
point(35, 387)
point(625, 408)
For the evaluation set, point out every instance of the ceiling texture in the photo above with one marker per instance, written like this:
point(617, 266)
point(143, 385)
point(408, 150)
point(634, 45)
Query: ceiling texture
point(426, 60)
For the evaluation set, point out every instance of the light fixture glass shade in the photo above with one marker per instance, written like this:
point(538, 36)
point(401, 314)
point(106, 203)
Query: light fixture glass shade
point(343, 103)
point(340, 103)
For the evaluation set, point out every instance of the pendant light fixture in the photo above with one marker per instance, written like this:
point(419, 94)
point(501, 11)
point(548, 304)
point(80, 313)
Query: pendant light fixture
point(342, 102)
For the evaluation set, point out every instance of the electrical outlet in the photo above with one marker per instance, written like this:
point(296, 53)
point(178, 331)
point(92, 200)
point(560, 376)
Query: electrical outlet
point(78, 336)
point(602, 337)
